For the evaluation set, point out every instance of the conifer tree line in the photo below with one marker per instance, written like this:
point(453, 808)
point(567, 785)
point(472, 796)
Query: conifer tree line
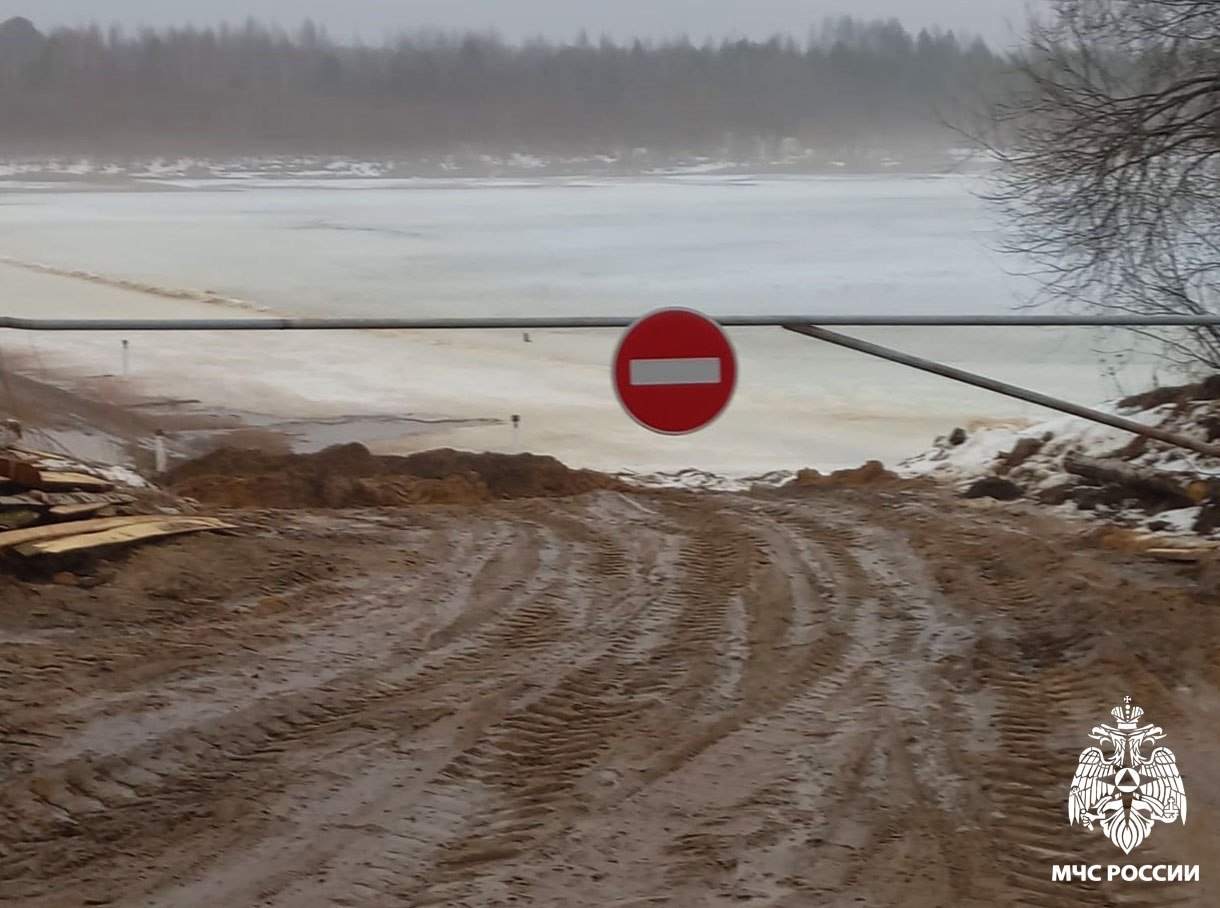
point(254, 88)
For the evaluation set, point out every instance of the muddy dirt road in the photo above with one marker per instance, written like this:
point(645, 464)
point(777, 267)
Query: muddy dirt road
point(799, 698)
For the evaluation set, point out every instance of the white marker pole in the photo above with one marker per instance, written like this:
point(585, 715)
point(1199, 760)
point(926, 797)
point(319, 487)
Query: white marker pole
point(159, 452)
point(126, 359)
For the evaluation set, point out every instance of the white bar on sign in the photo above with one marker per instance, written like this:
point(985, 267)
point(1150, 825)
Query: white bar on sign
point(693, 371)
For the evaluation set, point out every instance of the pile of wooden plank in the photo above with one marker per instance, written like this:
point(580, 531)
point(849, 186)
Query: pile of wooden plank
point(36, 487)
point(49, 506)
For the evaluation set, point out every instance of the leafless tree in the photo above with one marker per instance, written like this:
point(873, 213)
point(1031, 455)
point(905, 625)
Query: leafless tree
point(1110, 161)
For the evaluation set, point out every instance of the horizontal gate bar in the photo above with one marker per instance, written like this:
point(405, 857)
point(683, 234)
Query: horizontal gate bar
point(729, 321)
point(991, 384)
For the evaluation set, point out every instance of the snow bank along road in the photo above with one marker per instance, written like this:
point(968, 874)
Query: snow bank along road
point(805, 697)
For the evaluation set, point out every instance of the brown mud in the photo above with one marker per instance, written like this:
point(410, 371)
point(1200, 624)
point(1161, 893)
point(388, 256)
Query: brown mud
point(814, 696)
point(347, 476)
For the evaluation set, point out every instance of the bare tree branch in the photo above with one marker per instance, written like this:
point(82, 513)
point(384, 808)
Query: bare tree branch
point(1109, 153)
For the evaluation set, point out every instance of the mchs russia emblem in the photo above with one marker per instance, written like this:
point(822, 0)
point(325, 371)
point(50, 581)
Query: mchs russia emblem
point(1120, 787)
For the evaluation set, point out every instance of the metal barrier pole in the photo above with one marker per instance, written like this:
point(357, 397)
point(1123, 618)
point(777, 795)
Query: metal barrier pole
point(999, 387)
point(262, 323)
point(800, 324)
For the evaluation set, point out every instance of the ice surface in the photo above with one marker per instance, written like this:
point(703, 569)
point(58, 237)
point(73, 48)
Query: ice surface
point(542, 247)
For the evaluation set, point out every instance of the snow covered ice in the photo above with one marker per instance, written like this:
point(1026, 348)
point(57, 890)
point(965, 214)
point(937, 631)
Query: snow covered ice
point(363, 246)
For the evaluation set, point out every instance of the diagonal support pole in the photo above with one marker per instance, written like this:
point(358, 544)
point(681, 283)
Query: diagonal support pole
point(999, 387)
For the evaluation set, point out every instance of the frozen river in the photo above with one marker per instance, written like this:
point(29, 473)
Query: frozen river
point(901, 245)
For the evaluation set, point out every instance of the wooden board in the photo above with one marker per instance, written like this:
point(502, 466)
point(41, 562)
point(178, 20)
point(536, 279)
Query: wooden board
point(28, 453)
point(59, 530)
point(22, 502)
point(77, 511)
point(10, 519)
point(1186, 555)
point(18, 472)
point(52, 481)
point(124, 535)
point(28, 476)
point(1187, 490)
point(45, 500)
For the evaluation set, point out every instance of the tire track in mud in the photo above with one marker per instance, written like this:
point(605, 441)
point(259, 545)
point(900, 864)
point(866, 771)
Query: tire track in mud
point(543, 760)
point(1043, 682)
point(245, 749)
point(885, 755)
point(779, 676)
point(1028, 780)
point(513, 651)
point(783, 699)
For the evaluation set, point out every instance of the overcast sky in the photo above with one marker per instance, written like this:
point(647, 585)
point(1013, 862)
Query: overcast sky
point(372, 19)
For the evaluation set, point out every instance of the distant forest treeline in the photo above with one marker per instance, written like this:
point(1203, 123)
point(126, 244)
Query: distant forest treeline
point(255, 89)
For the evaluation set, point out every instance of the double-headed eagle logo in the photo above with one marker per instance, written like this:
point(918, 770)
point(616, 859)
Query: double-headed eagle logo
point(1123, 791)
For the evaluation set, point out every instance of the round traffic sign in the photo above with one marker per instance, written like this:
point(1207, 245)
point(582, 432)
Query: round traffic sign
point(674, 371)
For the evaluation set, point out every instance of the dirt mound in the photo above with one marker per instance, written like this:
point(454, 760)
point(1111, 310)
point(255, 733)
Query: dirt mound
point(870, 474)
point(1098, 472)
point(505, 475)
point(1207, 389)
point(347, 476)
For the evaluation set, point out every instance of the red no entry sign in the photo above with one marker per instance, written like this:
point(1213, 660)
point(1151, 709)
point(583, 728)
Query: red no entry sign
point(674, 371)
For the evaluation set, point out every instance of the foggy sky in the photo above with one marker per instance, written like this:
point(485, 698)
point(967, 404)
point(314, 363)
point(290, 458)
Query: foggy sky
point(371, 20)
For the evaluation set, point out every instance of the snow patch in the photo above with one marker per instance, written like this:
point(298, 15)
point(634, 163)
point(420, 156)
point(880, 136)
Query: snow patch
point(1042, 474)
point(702, 480)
